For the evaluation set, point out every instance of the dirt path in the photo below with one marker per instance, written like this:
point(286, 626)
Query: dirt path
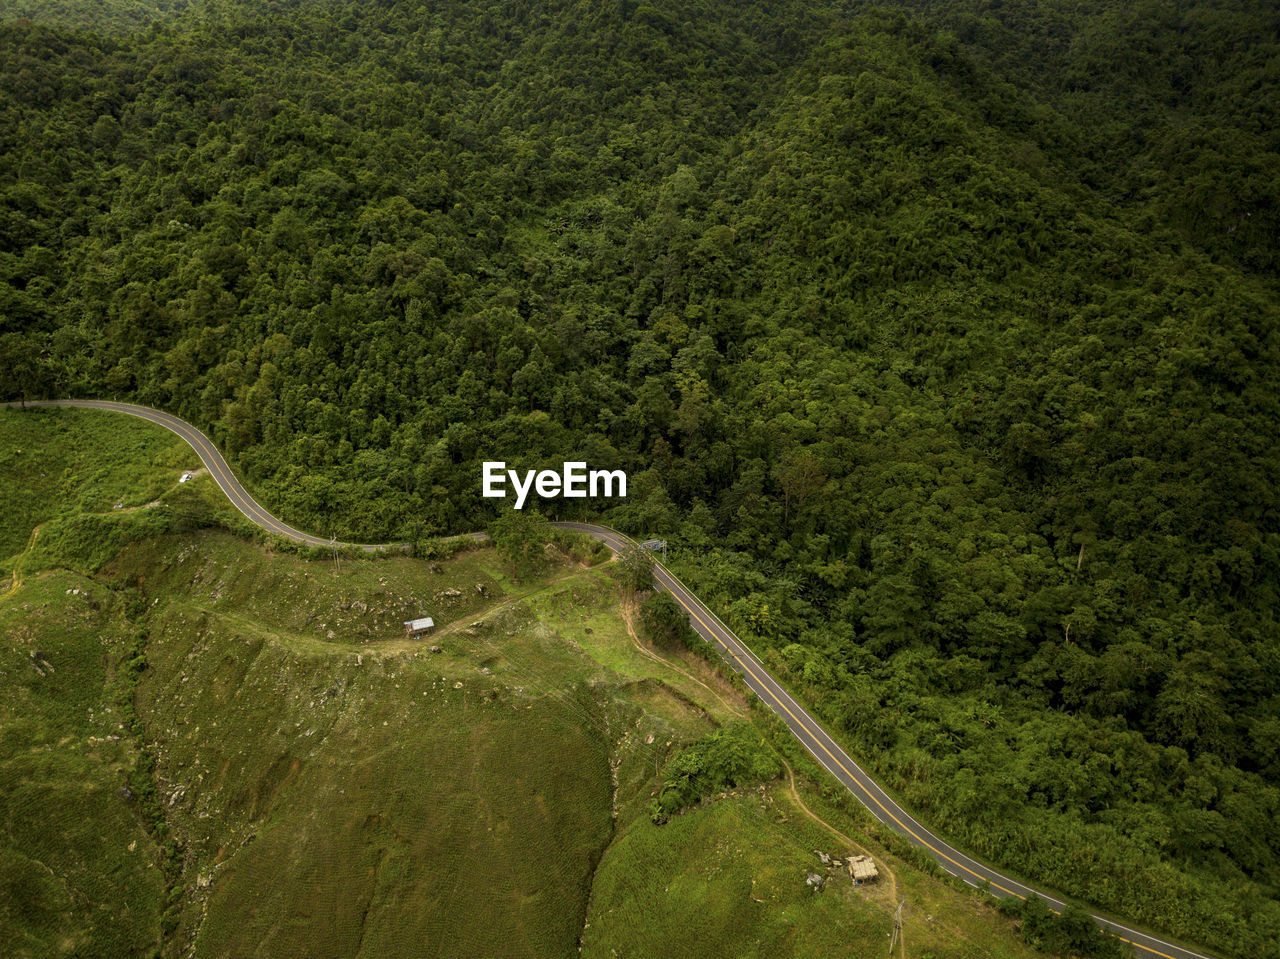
point(310, 644)
point(387, 647)
point(881, 864)
point(628, 616)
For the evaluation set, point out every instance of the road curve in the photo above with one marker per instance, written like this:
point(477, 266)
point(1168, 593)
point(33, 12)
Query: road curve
point(216, 465)
point(803, 726)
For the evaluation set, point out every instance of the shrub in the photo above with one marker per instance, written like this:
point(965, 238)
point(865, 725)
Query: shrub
point(666, 623)
point(733, 755)
point(1071, 933)
point(521, 538)
point(635, 568)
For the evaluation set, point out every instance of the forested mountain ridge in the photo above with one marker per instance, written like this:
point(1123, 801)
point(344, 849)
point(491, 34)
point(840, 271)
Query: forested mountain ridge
point(969, 437)
point(99, 16)
point(1166, 107)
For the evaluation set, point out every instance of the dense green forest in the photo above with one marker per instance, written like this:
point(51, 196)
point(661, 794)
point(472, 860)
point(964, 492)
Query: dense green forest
point(110, 16)
point(938, 339)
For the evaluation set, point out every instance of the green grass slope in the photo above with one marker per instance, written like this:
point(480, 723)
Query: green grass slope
point(75, 462)
point(216, 749)
point(414, 801)
point(78, 871)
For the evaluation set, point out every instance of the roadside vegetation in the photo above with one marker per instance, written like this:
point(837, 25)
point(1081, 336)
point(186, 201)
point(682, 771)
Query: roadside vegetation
point(733, 755)
point(62, 463)
point(940, 341)
point(214, 747)
point(1071, 933)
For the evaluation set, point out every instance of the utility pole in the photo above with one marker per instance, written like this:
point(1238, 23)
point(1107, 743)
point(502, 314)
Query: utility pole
point(653, 545)
point(896, 936)
point(336, 564)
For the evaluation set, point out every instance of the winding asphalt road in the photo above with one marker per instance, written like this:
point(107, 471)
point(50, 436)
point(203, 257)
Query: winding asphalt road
point(802, 725)
point(213, 461)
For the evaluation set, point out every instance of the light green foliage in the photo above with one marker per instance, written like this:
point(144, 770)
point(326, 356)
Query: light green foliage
point(581, 548)
point(728, 878)
point(100, 16)
point(699, 887)
point(77, 865)
point(79, 464)
point(356, 600)
point(362, 802)
point(522, 539)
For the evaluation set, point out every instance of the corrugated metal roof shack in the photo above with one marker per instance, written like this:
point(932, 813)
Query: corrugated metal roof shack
point(417, 628)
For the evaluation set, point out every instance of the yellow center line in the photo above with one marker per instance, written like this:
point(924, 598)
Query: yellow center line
point(812, 736)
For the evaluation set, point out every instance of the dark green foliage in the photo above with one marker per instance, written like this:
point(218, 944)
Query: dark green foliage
point(733, 755)
point(141, 780)
point(20, 359)
point(1071, 933)
point(1169, 108)
point(522, 539)
point(666, 622)
point(438, 548)
point(97, 15)
point(635, 568)
point(581, 548)
point(943, 352)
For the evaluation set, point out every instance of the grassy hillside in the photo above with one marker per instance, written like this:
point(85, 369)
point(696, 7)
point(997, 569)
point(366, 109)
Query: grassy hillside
point(62, 463)
point(215, 749)
point(80, 871)
point(417, 801)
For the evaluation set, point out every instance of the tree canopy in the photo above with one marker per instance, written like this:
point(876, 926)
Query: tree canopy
point(939, 341)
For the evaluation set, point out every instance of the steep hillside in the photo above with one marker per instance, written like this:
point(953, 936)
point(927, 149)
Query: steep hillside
point(1005, 513)
point(213, 748)
point(1168, 109)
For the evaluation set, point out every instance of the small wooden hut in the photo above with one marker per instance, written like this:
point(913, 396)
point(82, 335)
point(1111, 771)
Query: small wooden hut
point(863, 869)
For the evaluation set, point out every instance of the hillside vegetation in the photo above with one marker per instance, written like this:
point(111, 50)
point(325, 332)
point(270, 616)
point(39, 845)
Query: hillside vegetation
point(213, 748)
point(938, 340)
